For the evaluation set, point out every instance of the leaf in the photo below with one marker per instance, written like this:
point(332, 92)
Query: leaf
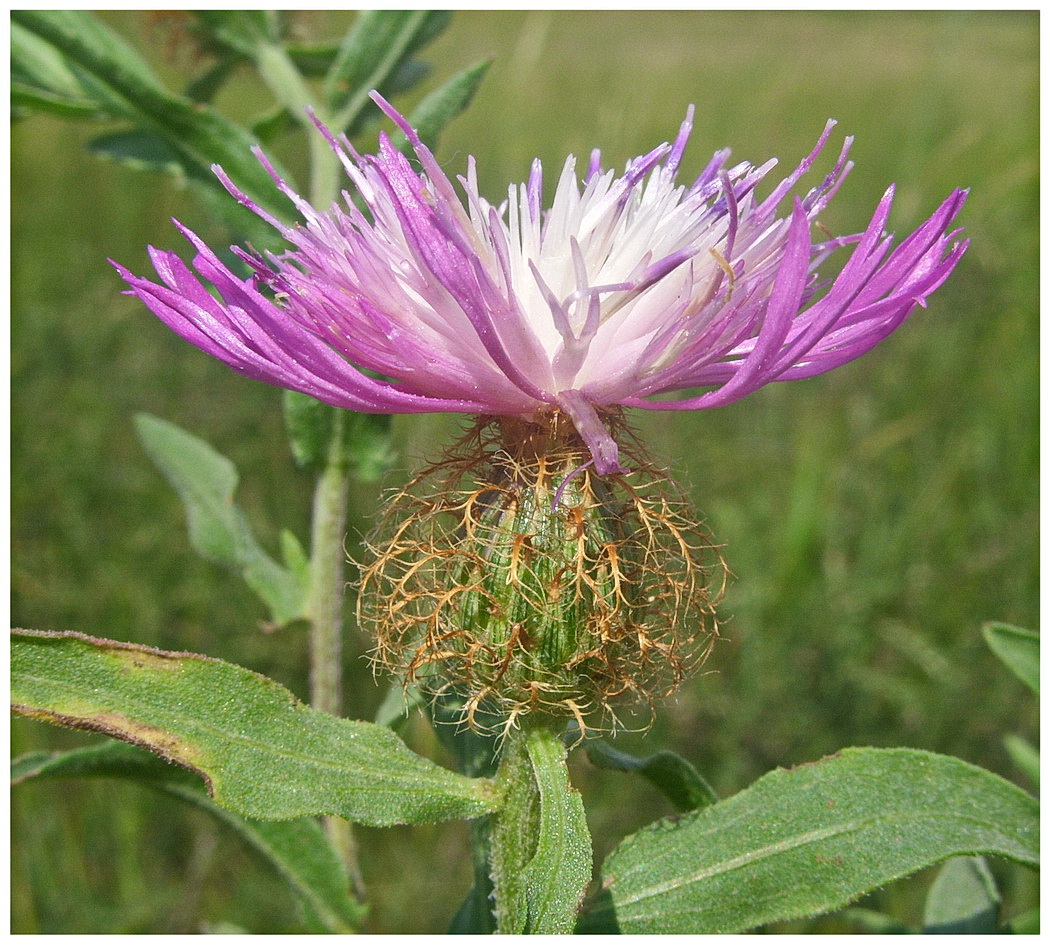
point(205, 481)
point(298, 850)
point(560, 870)
point(121, 81)
point(1024, 755)
point(141, 150)
point(309, 423)
point(1018, 649)
point(372, 53)
point(241, 31)
point(42, 79)
point(475, 751)
point(445, 103)
point(670, 774)
point(963, 899)
point(262, 753)
point(364, 441)
point(1027, 923)
point(541, 848)
point(870, 922)
point(809, 840)
point(475, 914)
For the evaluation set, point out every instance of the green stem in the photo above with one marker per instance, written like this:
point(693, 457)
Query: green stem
point(327, 567)
point(290, 88)
point(326, 582)
point(540, 847)
point(328, 556)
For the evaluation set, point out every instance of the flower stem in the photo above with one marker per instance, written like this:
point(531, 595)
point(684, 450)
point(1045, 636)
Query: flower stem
point(326, 583)
point(327, 558)
point(290, 88)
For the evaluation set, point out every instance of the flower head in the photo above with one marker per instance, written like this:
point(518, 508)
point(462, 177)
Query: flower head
point(629, 286)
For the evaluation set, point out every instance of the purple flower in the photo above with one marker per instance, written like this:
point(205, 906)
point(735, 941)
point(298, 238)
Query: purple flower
point(627, 287)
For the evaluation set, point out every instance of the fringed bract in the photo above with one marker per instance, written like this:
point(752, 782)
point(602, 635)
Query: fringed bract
point(514, 577)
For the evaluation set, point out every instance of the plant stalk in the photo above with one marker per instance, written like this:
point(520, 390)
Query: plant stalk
point(327, 578)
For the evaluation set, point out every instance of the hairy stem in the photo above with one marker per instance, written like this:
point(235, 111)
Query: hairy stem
point(327, 565)
point(326, 585)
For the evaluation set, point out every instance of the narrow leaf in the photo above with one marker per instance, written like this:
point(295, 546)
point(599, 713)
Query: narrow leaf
point(1025, 756)
point(1018, 649)
point(670, 774)
point(206, 481)
point(298, 849)
point(41, 77)
point(810, 840)
point(115, 72)
point(541, 848)
point(561, 868)
point(963, 899)
point(262, 753)
point(141, 150)
point(374, 50)
point(445, 103)
point(241, 31)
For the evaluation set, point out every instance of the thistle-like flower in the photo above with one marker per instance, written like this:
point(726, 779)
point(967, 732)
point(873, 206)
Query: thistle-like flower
point(534, 568)
point(628, 287)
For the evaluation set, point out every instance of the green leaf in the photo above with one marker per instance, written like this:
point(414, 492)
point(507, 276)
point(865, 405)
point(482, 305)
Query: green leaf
point(809, 840)
point(262, 753)
point(204, 87)
point(541, 848)
point(870, 922)
point(1018, 649)
point(475, 914)
point(372, 53)
point(141, 150)
point(241, 31)
point(41, 78)
point(119, 77)
point(364, 443)
point(1024, 755)
point(670, 774)
point(310, 424)
point(963, 899)
point(298, 850)
point(1027, 923)
point(445, 103)
point(205, 481)
point(475, 751)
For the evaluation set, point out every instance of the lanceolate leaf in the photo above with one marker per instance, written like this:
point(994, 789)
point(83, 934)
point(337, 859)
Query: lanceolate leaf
point(122, 83)
point(561, 869)
point(373, 52)
point(445, 103)
point(41, 78)
point(670, 774)
point(541, 848)
point(963, 899)
point(810, 840)
point(297, 849)
point(205, 481)
point(1025, 756)
point(1018, 649)
point(262, 753)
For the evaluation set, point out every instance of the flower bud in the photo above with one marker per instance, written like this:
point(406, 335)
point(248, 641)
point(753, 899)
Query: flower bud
point(514, 577)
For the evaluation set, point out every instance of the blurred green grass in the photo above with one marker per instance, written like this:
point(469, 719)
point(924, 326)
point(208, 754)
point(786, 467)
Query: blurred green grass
point(874, 518)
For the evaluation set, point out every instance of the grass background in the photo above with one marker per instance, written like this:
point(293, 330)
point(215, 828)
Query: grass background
point(874, 517)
